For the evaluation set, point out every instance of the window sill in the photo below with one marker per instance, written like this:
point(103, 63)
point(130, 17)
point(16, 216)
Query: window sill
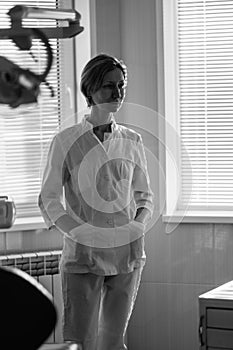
point(26, 224)
point(214, 217)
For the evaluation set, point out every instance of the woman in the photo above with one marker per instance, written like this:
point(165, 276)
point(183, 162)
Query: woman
point(100, 168)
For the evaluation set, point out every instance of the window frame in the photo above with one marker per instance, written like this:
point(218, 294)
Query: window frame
point(169, 125)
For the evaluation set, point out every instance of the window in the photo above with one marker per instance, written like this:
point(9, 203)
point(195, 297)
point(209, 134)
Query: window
point(26, 131)
point(198, 63)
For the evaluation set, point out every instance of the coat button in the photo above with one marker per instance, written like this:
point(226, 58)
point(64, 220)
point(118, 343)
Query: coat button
point(109, 222)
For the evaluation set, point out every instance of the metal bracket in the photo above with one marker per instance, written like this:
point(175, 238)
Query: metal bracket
point(19, 12)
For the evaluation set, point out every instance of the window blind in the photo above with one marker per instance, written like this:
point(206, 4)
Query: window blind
point(205, 102)
point(26, 131)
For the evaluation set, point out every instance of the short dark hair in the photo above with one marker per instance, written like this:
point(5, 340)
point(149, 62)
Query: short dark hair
point(94, 72)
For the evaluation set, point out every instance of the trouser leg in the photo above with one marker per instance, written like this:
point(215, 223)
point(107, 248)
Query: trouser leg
point(81, 296)
point(118, 300)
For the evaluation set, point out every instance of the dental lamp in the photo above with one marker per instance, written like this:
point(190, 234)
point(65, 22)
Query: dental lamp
point(21, 86)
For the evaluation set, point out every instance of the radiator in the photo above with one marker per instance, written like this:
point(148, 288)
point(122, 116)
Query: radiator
point(44, 267)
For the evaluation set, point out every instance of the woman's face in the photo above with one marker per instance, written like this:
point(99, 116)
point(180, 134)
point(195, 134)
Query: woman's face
point(112, 92)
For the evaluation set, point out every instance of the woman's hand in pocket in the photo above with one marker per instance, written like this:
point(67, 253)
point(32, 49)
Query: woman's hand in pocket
point(93, 236)
point(112, 237)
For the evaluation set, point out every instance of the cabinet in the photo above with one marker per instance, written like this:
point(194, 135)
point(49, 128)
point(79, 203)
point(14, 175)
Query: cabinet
point(216, 318)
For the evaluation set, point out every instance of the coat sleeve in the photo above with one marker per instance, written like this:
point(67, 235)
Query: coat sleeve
point(143, 194)
point(51, 196)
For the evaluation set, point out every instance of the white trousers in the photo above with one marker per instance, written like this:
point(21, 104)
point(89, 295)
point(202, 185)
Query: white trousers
point(97, 309)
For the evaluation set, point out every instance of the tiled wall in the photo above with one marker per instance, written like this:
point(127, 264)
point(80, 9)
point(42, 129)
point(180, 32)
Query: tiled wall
point(180, 266)
point(29, 241)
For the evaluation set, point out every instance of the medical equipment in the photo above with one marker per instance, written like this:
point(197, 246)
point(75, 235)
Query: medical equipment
point(19, 86)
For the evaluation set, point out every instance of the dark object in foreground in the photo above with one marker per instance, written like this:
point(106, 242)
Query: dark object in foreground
point(28, 315)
